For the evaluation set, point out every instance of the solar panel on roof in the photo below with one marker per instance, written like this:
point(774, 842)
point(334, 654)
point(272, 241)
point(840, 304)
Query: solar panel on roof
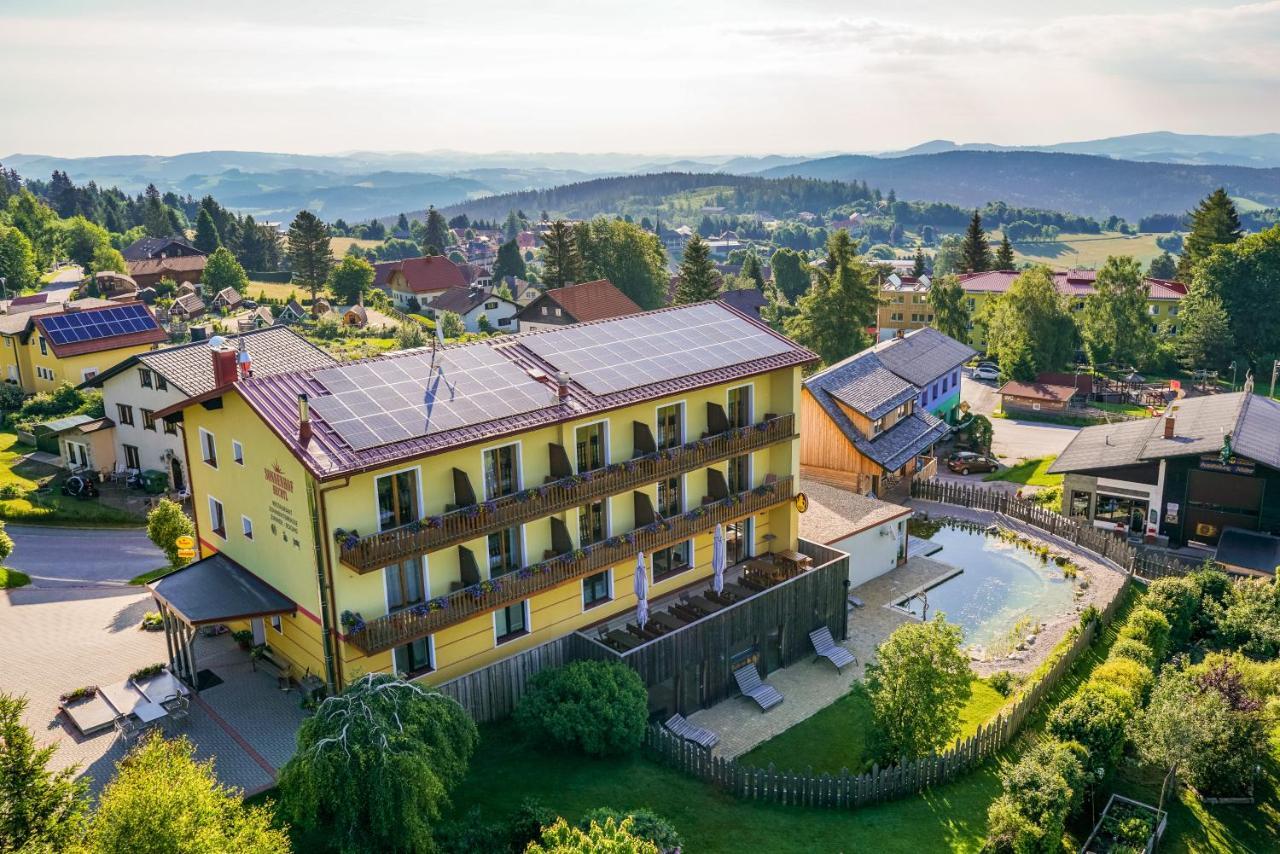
point(376, 403)
point(94, 325)
point(630, 352)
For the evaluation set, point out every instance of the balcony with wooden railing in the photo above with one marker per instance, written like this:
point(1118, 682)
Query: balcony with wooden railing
point(375, 551)
point(417, 621)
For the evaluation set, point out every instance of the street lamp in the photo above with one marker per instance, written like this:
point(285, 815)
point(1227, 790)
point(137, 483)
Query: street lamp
point(1233, 374)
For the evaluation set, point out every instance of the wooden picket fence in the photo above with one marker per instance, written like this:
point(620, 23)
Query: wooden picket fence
point(848, 790)
point(1141, 563)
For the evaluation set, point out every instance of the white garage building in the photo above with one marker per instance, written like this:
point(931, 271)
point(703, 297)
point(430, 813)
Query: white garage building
point(873, 532)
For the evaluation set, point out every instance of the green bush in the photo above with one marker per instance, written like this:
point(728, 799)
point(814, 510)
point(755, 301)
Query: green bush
point(1150, 627)
point(1094, 716)
point(564, 838)
point(1133, 650)
point(1002, 681)
point(1179, 600)
point(645, 823)
point(598, 707)
point(526, 823)
point(1128, 675)
point(1040, 790)
point(1251, 619)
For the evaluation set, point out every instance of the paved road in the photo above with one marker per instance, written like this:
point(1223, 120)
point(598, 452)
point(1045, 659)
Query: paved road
point(78, 557)
point(1015, 440)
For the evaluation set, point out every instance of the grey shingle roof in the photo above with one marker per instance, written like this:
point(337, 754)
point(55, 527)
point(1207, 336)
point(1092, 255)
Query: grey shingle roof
point(864, 384)
point(274, 350)
point(923, 355)
point(894, 447)
point(1200, 425)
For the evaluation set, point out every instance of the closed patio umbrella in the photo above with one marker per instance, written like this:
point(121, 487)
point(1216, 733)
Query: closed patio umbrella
point(642, 591)
point(719, 557)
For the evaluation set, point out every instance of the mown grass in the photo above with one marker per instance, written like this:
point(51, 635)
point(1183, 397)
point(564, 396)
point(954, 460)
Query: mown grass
point(1034, 472)
point(148, 577)
point(49, 508)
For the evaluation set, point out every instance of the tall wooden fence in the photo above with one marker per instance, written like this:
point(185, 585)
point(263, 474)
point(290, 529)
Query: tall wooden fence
point(491, 693)
point(1134, 560)
point(848, 790)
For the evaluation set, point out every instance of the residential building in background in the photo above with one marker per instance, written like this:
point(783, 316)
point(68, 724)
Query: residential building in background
point(480, 308)
point(904, 305)
point(413, 282)
point(580, 303)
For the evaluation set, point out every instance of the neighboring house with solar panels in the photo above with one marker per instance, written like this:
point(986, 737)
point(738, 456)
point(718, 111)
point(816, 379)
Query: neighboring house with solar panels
point(136, 388)
point(432, 512)
point(75, 343)
point(872, 420)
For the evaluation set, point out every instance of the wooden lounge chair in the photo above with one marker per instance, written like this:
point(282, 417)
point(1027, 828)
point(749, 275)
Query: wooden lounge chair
point(704, 738)
point(750, 684)
point(826, 647)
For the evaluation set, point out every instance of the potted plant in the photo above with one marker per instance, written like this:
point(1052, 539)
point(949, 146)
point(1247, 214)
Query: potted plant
point(243, 639)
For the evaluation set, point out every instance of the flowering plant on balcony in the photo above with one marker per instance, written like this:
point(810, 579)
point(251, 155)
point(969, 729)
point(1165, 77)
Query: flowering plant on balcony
point(581, 554)
point(763, 489)
point(471, 511)
point(484, 588)
point(613, 542)
point(629, 538)
point(545, 489)
point(695, 513)
point(490, 506)
point(524, 496)
point(761, 426)
point(352, 622)
point(433, 521)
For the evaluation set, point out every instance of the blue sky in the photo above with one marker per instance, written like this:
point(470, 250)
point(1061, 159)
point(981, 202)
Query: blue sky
point(658, 76)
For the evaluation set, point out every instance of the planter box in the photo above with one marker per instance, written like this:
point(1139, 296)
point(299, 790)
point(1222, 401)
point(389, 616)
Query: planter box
point(91, 715)
point(1103, 839)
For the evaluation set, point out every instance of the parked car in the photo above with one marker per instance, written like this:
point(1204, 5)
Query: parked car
point(965, 462)
point(986, 372)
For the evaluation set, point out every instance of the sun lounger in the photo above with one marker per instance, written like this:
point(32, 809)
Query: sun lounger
point(705, 738)
point(749, 682)
point(855, 602)
point(826, 647)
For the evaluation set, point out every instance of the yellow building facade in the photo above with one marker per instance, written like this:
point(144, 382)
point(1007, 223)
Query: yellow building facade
point(434, 563)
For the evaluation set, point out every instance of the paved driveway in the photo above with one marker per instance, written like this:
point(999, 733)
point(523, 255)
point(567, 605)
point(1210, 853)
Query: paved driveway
point(78, 557)
point(1015, 440)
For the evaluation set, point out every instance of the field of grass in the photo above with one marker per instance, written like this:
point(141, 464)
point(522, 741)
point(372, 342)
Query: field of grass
point(338, 246)
point(278, 291)
point(12, 578)
point(49, 508)
point(1033, 472)
point(1085, 250)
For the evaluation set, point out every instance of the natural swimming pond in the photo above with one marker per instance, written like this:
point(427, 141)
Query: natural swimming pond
point(1001, 584)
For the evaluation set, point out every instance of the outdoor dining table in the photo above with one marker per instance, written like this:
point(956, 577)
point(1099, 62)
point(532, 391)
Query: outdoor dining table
point(623, 639)
point(664, 619)
point(149, 712)
point(705, 604)
point(738, 591)
point(161, 687)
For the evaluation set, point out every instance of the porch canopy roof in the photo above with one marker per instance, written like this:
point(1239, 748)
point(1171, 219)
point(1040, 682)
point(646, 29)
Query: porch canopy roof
point(216, 590)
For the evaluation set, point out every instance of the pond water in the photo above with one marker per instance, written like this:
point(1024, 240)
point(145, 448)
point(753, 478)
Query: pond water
point(1000, 585)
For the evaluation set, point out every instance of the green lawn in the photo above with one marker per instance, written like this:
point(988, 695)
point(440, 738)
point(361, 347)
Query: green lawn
point(1085, 250)
point(1029, 473)
point(843, 734)
point(148, 577)
point(1122, 408)
point(49, 508)
point(11, 578)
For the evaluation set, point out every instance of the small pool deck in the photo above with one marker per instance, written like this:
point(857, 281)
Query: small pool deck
point(809, 686)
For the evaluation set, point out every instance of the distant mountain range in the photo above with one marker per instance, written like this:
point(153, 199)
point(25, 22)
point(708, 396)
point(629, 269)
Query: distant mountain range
point(1131, 176)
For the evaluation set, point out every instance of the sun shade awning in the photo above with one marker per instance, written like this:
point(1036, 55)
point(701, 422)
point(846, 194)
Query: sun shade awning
point(1249, 550)
point(216, 590)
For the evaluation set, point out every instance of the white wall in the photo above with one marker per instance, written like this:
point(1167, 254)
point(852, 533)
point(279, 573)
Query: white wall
point(873, 552)
point(152, 445)
point(503, 310)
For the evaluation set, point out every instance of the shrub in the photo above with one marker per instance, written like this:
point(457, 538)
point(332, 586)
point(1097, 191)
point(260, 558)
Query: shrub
point(1134, 650)
point(11, 491)
point(526, 823)
point(597, 707)
point(152, 621)
point(472, 833)
point(1094, 716)
point(1251, 618)
point(1149, 627)
point(564, 838)
point(1002, 681)
point(1127, 675)
point(11, 397)
point(1179, 600)
point(1010, 831)
point(1040, 790)
point(645, 823)
point(165, 524)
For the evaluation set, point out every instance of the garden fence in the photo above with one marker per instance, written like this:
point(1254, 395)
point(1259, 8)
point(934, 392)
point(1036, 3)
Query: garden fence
point(491, 693)
point(848, 790)
point(1134, 560)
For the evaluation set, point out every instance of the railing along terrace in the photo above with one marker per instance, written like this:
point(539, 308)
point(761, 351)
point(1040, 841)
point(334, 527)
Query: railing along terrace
point(375, 551)
point(417, 621)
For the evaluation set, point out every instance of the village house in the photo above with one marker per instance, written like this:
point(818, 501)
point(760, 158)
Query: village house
point(432, 512)
point(1209, 467)
point(159, 247)
point(186, 308)
point(1035, 397)
point(904, 305)
point(413, 282)
point(228, 298)
point(481, 309)
point(136, 388)
point(148, 272)
point(586, 301)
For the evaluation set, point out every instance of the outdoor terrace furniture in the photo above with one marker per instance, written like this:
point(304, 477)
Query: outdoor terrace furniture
point(855, 602)
point(645, 634)
point(126, 728)
point(623, 639)
point(704, 604)
point(826, 647)
point(739, 592)
point(179, 708)
point(704, 738)
point(684, 612)
point(667, 620)
point(750, 684)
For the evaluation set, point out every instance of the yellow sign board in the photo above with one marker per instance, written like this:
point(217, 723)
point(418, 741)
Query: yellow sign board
point(186, 553)
point(802, 502)
point(185, 542)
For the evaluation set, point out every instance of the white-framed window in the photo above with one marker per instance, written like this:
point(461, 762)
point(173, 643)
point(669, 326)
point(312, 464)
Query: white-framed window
point(44, 346)
point(415, 658)
point(405, 584)
point(591, 446)
point(88, 374)
point(208, 447)
point(246, 527)
point(597, 589)
point(399, 498)
point(148, 420)
point(670, 422)
point(501, 470)
point(511, 622)
point(237, 452)
point(277, 623)
point(490, 306)
point(217, 519)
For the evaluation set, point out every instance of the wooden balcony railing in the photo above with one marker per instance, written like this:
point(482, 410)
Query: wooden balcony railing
point(375, 551)
point(401, 627)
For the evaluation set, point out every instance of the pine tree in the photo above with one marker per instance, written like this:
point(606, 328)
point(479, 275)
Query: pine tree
point(834, 313)
point(698, 277)
point(253, 246)
point(509, 262)
point(207, 238)
point(975, 252)
point(1164, 266)
point(309, 253)
point(1004, 255)
point(402, 225)
point(511, 227)
point(918, 268)
point(435, 237)
point(561, 263)
point(752, 270)
point(1214, 223)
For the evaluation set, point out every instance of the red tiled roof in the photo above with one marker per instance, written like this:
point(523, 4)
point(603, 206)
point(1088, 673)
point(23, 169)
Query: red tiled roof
point(1038, 391)
point(424, 275)
point(1070, 282)
point(113, 342)
point(588, 301)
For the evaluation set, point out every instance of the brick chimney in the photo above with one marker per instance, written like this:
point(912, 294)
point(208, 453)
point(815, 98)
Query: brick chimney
point(562, 386)
point(1168, 426)
point(304, 419)
point(224, 367)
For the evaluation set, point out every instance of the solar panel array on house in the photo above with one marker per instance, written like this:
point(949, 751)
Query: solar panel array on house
point(97, 324)
point(629, 352)
point(388, 400)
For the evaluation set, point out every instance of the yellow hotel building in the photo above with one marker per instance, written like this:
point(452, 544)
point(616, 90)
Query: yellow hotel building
point(431, 512)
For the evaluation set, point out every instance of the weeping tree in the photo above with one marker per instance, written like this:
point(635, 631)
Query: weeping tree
point(376, 764)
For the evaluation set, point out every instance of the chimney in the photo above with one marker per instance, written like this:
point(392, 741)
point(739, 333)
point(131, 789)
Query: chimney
point(304, 419)
point(224, 367)
point(900, 333)
point(244, 359)
point(1168, 427)
point(562, 386)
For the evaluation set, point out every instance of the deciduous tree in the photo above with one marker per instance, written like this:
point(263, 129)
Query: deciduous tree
point(950, 308)
point(350, 279)
point(451, 324)
point(698, 277)
point(1204, 335)
point(834, 313)
point(1163, 266)
point(165, 524)
point(1245, 275)
point(627, 255)
point(40, 809)
point(790, 273)
point(17, 261)
point(222, 270)
point(1114, 325)
point(1029, 325)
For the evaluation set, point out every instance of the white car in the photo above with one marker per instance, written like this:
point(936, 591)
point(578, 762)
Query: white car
point(986, 372)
